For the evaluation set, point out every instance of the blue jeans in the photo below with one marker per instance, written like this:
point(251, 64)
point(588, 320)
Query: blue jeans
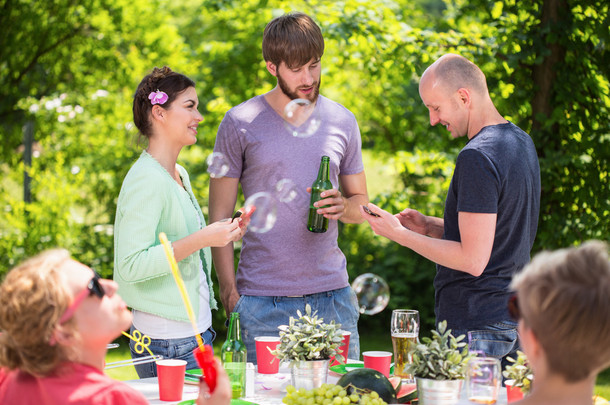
point(499, 340)
point(170, 349)
point(260, 316)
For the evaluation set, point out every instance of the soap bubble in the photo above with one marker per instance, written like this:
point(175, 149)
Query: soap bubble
point(264, 212)
point(372, 292)
point(285, 190)
point(300, 118)
point(218, 165)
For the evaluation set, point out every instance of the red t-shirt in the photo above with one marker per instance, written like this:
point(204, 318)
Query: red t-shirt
point(79, 385)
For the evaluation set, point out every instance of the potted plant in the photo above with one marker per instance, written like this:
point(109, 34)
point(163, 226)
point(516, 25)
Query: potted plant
point(309, 344)
point(518, 376)
point(439, 366)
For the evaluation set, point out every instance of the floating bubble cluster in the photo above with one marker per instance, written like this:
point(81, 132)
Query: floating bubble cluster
point(264, 212)
point(285, 190)
point(373, 293)
point(300, 118)
point(218, 165)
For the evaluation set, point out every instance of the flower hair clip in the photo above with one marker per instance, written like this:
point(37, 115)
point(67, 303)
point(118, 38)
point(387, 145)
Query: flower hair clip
point(157, 97)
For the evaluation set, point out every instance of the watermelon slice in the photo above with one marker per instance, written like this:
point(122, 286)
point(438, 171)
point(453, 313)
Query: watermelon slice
point(396, 383)
point(406, 393)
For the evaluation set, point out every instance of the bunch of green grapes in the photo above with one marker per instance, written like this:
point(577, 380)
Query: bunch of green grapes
point(331, 394)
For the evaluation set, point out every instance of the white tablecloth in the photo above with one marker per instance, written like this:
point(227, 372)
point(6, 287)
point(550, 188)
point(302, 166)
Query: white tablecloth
point(268, 389)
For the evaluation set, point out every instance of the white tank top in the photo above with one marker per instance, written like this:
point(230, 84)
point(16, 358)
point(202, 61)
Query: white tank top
point(157, 327)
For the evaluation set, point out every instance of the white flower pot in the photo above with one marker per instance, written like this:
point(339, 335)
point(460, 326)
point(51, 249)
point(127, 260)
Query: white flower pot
point(309, 374)
point(438, 392)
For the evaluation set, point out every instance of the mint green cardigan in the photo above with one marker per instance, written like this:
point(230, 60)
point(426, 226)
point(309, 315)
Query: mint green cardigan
point(151, 202)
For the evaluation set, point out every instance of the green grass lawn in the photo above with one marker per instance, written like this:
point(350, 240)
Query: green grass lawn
point(602, 386)
point(118, 354)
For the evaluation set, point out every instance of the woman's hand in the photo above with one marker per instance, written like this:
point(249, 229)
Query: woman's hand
point(222, 232)
point(242, 216)
point(216, 234)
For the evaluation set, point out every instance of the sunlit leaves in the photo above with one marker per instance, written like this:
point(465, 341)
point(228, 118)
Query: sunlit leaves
point(375, 52)
point(71, 69)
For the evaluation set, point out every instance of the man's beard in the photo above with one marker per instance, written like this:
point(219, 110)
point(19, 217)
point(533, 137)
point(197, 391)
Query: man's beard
point(312, 97)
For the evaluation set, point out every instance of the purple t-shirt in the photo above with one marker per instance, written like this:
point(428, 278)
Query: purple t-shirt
point(288, 259)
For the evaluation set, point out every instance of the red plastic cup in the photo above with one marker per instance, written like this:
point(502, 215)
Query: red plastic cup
point(343, 349)
point(170, 373)
point(266, 362)
point(379, 361)
point(513, 394)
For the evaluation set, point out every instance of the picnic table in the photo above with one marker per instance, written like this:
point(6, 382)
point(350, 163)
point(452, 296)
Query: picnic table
point(262, 389)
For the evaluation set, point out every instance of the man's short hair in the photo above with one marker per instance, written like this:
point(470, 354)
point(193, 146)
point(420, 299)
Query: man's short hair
point(292, 38)
point(456, 72)
point(564, 298)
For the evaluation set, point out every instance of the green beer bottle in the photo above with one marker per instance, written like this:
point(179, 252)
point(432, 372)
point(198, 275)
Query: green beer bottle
point(318, 223)
point(233, 356)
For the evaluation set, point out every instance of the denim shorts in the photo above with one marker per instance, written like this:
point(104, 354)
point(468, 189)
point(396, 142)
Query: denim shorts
point(260, 316)
point(497, 340)
point(181, 348)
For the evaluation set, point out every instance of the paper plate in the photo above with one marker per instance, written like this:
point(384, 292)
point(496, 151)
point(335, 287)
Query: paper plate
point(190, 379)
point(233, 402)
point(242, 402)
point(344, 368)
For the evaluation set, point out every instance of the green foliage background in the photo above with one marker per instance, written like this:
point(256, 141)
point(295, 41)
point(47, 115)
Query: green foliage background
point(71, 69)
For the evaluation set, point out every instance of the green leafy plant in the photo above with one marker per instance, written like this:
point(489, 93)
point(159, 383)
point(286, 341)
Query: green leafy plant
point(519, 373)
point(309, 338)
point(442, 357)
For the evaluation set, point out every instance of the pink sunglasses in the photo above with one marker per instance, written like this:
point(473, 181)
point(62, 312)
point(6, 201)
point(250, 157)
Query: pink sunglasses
point(93, 288)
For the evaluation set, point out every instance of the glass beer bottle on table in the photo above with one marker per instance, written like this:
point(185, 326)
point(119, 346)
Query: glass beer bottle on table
point(405, 331)
point(317, 222)
point(233, 356)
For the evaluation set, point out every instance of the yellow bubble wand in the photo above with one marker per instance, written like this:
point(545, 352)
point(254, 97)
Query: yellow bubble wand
point(176, 273)
point(142, 341)
point(204, 356)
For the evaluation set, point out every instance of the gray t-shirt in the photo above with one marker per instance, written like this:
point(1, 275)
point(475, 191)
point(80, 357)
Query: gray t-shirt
point(288, 259)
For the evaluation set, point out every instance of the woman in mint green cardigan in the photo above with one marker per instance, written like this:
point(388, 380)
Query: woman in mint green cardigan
point(156, 196)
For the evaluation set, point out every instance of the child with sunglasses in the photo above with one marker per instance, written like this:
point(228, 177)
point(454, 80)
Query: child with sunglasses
point(563, 311)
point(56, 319)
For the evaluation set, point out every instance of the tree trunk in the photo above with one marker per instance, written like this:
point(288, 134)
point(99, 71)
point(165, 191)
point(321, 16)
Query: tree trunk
point(544, 74)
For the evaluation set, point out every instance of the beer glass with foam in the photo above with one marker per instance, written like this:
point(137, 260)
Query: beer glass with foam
point(405, 332)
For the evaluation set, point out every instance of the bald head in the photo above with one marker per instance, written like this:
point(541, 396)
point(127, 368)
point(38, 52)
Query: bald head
point(455, 92)
point(454, 72)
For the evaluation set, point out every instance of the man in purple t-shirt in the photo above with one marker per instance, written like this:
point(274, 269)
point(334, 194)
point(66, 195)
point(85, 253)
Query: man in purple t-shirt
point(287, 267)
